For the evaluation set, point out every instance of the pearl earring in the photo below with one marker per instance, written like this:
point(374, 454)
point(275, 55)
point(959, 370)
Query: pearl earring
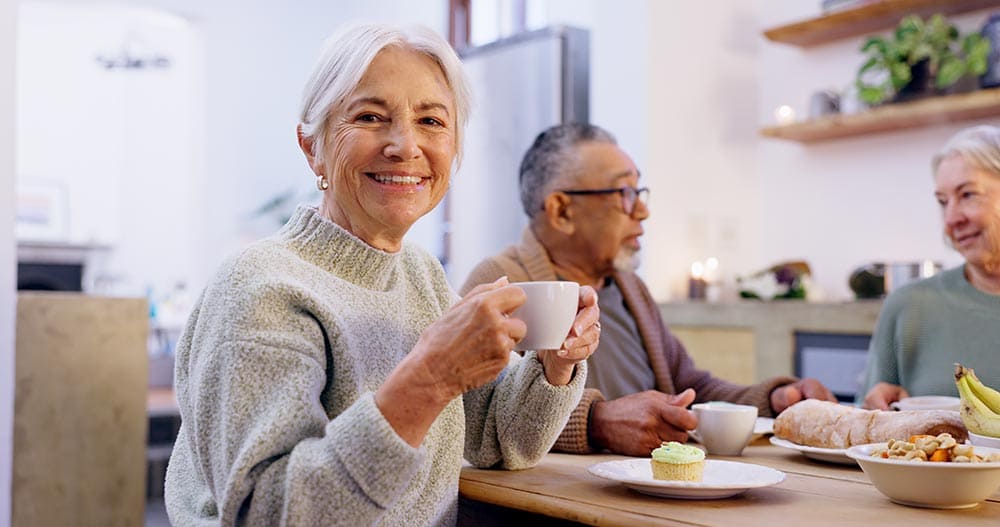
point(322, 183)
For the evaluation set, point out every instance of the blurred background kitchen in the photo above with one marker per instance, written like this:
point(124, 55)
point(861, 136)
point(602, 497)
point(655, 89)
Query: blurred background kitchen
point(143, 141)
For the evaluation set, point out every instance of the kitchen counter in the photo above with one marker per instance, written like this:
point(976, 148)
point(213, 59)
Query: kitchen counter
point(748, 341)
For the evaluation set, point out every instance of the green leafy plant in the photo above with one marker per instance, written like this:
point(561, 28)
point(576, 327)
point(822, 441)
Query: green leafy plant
point(933, 48)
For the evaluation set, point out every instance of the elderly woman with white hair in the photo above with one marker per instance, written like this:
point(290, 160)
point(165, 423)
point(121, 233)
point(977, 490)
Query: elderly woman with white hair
point(926, 327)
point(329, 375)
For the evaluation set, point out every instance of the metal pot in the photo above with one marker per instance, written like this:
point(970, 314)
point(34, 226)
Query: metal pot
point(899, 274)
point(878, 279)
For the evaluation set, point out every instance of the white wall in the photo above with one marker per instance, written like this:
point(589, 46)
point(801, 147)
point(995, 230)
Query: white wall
point(129, 140)
point(687, 91)
point(701, 124)
point(676, 83)
point(256, 59)
point(684, 86)
point(8, 12)
point(842, 203)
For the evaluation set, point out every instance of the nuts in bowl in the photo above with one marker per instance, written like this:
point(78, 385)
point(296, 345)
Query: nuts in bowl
point(941, 448)
point(969, 475)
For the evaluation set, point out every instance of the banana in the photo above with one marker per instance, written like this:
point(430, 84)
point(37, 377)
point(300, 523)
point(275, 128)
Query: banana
point(978, 417)
point(987, 395)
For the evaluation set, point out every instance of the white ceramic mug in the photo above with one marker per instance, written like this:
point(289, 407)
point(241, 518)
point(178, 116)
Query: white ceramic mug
point(725, 428)
point(548, 312)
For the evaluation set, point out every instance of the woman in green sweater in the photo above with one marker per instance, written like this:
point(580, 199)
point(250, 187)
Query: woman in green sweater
point(328, 375)
point(926, 327)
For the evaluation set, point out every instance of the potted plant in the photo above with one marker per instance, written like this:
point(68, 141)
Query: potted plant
point(919, 58)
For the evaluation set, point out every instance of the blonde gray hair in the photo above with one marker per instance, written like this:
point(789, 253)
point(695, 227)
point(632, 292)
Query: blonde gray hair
point(345, 58)
point(979, 146)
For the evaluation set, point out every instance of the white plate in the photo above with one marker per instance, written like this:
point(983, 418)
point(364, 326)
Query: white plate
point(761, 427)
point(721, 478)
point(830, 455)
point(928, 402)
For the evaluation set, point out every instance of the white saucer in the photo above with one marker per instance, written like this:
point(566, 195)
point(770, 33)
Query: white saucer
point(830, 455)
point(721, 478)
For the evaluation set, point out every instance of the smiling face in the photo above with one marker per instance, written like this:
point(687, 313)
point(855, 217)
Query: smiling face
point(970, 207)
point(602, 231)
point(390, 147)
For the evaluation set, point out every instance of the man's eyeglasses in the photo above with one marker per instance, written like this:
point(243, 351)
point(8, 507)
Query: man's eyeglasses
point(630, 195)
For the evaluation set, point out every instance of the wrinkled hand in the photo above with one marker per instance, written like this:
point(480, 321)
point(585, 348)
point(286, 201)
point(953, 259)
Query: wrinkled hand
point(581, 342)
point(470, 344)
point(784, 396)
point(467, 347)
point(882, 395)
point(636, 424)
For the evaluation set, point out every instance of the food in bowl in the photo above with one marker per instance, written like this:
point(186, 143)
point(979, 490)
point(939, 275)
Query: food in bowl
point(678, 462)
point(940, 448)
point(933, 485)
point(826, 424)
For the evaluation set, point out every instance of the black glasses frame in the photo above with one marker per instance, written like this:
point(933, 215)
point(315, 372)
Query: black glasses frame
point(630, 195)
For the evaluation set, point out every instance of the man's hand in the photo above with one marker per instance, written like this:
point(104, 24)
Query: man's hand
point(882, 395)
point(636, 424)
point(784, 396)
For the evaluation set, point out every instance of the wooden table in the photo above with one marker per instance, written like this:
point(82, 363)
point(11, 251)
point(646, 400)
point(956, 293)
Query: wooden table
point(560, 491)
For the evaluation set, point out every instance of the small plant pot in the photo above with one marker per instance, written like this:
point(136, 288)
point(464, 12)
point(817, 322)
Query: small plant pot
point(921, 84)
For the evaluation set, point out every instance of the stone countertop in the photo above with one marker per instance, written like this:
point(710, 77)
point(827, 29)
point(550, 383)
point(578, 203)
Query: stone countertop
point(841, 317)
point(774, 324)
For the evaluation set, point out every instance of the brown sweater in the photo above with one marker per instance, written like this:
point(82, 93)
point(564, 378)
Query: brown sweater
point(672, 366)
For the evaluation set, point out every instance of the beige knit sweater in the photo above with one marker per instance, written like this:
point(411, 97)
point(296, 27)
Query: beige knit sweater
point(275, 376)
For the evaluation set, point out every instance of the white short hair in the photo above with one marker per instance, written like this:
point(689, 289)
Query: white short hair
point(345, 58)
point(979, 146)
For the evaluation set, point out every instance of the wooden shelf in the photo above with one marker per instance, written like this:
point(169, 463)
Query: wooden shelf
point(892, 117)
point(867, 18)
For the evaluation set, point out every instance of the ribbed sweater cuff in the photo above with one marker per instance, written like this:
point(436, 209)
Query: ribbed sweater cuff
point(575, 438)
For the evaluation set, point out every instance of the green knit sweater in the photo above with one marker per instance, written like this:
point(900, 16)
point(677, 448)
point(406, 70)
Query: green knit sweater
point(926, 327)
point(275, 377)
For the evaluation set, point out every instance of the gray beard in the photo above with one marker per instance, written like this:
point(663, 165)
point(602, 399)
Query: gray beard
point(627, 261)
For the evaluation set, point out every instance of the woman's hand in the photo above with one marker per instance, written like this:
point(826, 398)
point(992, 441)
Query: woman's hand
point(466, 348)
point(582, 341)
point(882, 395)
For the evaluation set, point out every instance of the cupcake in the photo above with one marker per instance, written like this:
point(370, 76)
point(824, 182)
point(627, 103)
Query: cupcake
point(674, 461)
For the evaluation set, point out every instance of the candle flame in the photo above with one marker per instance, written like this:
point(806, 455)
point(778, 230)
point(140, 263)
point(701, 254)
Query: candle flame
point(697, 270)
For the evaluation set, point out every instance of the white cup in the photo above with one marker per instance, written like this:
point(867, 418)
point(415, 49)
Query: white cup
point(548, 312)
point(725, 428)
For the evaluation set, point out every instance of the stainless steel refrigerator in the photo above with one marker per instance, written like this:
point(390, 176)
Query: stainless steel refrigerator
point(521, 85)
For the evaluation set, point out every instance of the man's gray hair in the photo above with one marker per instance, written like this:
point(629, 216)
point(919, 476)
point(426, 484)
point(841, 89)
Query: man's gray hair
point(979, 146)
point(543, 166)
point(345, 58)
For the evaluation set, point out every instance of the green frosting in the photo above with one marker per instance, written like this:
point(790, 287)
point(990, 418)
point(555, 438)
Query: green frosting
point(677, 453)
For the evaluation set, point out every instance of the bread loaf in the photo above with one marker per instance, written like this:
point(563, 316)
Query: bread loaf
point(831, 425)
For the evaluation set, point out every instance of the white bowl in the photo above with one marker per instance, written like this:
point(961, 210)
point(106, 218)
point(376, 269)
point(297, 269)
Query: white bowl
point(929, 484)
point(987, 441)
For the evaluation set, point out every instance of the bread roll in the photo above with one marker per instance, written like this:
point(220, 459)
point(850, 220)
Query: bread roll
point(831, 425)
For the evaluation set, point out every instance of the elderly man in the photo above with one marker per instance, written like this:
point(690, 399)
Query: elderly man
point(582, 194)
